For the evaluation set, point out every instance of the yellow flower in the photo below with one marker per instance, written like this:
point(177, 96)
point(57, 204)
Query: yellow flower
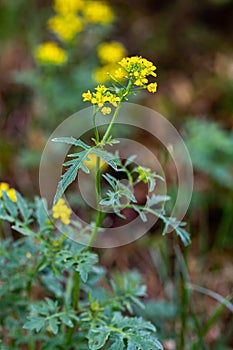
point(65, 7)
point(98, 12)
point(50, 53)
point(119, 73)
point(65, 27)
point(101, 96)
point(91, 162)
point(111, 52)
point(106, 110)
point(101, 88)
point(10, 191)
point(138, 69)
point(60, 210)
point(87, 96)
point(152, 87)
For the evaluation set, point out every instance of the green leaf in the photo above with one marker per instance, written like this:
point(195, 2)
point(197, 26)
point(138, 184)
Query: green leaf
point(71, 141)
point(23, 207)
point(140, 212)
point(82, 261)
point(24, 230)
point(117, 343)
point(156, 199)
point(106, 156)
point(130, 160)
point(70, 175)
point(66, 320)
point(53, 324)
point(35, 323)
point(4, 215)
point(10, 205)
point(177, 225)
point(98, 336)
point(41, 212)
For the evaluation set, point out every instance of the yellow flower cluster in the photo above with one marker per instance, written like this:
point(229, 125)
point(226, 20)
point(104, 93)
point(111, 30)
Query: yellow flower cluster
point(137, 69)
point(50, 53)
point(109, 54)
point(101, 96)
point(65, 27)
point(60, 210)
point(71, 15)
point(10, 191)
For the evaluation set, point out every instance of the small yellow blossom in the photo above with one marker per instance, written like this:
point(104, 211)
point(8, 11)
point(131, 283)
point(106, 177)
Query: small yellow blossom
point(111, 52)
point(65, 27)
point(106, 110)
point(87, 96)
point(50, 53)
point(101, 96)
point(28, 255)
point(65, 7)
point(60, 210)
point(119, 73)
point(152, 87)
point(91, 162)
point(101, 88)
point(98, 12)
point(10, 191)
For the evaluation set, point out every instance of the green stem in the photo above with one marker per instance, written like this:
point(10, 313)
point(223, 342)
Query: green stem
point(76, 290)
point(127, 90)
point(97, 184)
point(75, 300)
point(94, 123)
point(107, 132)
point(98, 196)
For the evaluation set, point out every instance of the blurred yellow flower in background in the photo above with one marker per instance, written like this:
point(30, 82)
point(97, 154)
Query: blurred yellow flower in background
point(65, 7)
point(103, 74)
point(10, 191)
point(65, 27)
point(91, 162)
point(60, 210)
point(98, 12)
point(111, 52)
point(50, 53)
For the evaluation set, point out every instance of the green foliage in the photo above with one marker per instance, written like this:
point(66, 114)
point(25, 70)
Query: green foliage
point(47, 261)
point(129, 333)
point(211, 150)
